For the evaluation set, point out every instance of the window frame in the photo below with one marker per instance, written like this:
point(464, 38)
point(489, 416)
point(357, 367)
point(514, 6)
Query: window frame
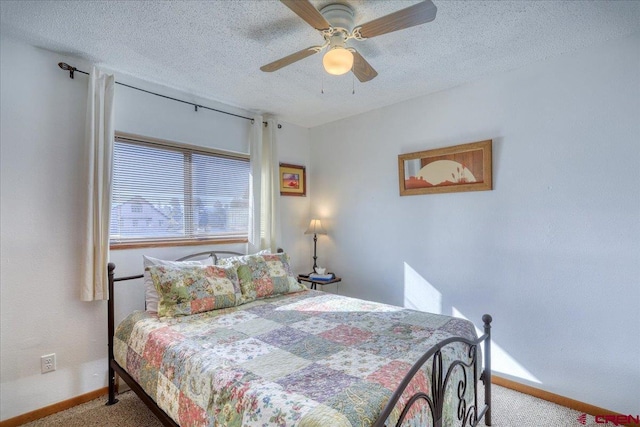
point(188, 150)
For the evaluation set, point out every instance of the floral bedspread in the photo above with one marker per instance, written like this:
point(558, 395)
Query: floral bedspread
point(304, 359)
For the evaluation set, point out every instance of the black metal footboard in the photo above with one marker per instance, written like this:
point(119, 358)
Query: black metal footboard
point(469, 414)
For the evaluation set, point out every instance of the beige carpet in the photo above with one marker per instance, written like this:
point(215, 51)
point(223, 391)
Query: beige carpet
point(510, 408)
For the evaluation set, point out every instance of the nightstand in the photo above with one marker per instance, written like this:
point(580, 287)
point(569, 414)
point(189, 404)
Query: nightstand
point(314, 283)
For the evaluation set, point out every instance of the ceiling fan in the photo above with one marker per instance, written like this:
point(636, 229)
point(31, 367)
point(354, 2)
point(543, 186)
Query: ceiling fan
point(335, 24)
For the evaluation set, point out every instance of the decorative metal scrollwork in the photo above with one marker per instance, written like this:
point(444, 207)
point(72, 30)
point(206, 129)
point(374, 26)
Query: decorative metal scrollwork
point(356, 34)
point(467, 412)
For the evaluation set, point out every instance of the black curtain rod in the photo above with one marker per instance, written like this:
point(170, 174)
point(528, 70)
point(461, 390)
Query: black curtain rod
point(73, 70)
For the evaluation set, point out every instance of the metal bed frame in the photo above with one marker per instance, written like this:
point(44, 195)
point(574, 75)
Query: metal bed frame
point(468, 415)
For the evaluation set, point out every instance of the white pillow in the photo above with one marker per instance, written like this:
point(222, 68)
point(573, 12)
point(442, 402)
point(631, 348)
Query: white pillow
point(151, 296)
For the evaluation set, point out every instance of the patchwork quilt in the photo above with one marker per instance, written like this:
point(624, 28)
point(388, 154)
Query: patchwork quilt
point(304, 359)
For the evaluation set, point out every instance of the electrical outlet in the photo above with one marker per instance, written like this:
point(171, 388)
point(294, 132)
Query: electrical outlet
point(48, 363)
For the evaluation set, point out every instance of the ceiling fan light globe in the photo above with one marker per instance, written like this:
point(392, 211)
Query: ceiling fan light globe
point(338, 61)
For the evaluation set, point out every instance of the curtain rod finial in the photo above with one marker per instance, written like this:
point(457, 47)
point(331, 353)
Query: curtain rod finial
point(67, 67)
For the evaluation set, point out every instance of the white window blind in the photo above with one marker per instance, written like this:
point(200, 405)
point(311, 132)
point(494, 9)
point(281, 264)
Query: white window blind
point(168, 193)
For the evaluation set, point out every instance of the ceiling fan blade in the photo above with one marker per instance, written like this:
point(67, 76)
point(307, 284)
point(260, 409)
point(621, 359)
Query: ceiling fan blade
point(361, 68)
point(417, 14)
point(288, 60)
point(305, 10)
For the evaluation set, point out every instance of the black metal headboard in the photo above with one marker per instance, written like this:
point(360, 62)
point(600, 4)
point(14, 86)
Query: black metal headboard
point(212, 254)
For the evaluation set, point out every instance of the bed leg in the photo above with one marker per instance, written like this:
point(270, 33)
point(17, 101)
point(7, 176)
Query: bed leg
point(487, 368)
point(110, 330)
point(112, 388)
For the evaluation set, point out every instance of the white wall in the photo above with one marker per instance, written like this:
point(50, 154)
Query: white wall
point(553, 252)
point(294, 148)
point(40, 311)
point(42, 117)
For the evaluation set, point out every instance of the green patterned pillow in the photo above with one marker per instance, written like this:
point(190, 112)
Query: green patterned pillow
point(186, 290)
point(263, 275)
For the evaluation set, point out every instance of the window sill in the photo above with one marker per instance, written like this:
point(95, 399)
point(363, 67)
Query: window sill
point(166, 243)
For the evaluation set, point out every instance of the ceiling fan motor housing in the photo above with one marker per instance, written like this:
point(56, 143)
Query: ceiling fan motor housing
point(339, 15)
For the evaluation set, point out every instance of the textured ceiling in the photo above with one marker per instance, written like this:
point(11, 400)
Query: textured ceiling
point(214, 49)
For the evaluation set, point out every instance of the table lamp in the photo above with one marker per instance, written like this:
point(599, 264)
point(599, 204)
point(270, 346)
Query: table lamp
point(315, 228)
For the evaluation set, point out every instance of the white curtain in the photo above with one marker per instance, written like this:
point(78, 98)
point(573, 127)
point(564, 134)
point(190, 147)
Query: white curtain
point(265, 186)
point(255, 150)
point(97, 175)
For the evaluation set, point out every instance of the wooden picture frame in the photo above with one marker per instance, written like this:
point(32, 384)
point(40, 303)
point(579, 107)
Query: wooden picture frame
point(293, 180)
point(466, 167)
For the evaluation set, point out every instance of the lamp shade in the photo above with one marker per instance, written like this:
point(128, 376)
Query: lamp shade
point(315, 227)
point(337, 61)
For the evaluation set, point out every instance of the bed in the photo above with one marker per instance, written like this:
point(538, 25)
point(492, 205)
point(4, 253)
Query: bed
point(259, 349)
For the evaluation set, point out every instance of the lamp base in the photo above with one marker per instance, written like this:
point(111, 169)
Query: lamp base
point(315, 257)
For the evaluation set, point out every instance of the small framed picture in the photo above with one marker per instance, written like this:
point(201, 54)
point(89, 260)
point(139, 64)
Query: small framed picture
point(293, 180)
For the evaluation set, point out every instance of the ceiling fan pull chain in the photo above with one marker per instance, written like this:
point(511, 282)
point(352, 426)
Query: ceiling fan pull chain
point(322, 84)
point(353, 84)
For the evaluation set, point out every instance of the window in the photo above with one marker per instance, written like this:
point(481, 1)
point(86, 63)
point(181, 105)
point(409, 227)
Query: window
point(165, 193)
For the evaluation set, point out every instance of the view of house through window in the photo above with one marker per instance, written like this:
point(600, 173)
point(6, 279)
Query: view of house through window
point(167, 193)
